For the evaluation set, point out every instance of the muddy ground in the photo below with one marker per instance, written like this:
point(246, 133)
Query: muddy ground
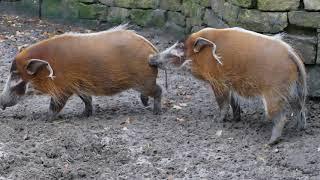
point(125, 140)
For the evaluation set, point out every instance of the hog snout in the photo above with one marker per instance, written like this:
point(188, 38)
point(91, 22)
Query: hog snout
point(153, 61)
point(8, 99)
point(4, 104)
point(3, 107)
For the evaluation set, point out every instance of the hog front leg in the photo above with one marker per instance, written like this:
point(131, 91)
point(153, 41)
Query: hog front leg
point(88, 109)
point(54, 108)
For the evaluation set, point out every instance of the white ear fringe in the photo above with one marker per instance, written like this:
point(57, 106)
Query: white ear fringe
point(214, 48)
point(50, 71)
point(49, 68)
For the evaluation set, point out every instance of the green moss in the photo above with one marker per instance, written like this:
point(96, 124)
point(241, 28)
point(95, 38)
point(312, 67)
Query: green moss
point(242, 3)
point(140, 17)
point(91, 11)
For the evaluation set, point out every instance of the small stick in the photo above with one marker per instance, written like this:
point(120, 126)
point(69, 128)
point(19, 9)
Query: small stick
point(165, 71)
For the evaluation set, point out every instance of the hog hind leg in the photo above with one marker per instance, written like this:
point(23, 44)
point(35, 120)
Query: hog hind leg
point(275, 112)
point(153, 90)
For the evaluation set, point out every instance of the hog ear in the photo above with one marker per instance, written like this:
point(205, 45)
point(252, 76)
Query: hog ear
point(34, 65)
point(200, 43)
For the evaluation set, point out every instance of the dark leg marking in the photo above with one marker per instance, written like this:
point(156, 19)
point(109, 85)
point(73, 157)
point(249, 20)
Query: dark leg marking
point(157, 100)
point(88, 109)
point(144, 99)
point(236, 110)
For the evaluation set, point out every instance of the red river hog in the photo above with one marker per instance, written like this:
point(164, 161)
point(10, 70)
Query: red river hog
point(102, 63)
point(242, 65)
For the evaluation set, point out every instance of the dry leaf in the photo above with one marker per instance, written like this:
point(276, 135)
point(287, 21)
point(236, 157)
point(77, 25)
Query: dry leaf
point(129, 120)
point(177, 107)
point(183, 104)
point(182, 93)
point(219, 133)
point(170, 177)
point(49, 35)
point(26, 137)
point(261, 158)
point(180, 120)
point(88, 31)
point(167, 102)
point(18, 33)
point(2, 38)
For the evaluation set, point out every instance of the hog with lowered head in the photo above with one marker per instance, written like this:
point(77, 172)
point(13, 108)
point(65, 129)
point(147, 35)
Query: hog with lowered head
point(241, 64)
point(102, 63)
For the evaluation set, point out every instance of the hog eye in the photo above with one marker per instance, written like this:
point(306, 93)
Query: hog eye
point(20, 88)
point(15, 72)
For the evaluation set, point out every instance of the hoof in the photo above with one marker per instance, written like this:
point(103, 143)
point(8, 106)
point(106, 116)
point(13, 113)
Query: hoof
point(237, 119)
point(273, 141)
point(48, 119)
point(156, 112)
point(301, 126)
point(144, 100)
point(86, 113)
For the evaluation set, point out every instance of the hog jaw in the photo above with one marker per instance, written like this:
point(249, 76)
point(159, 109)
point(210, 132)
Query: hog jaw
point(171, 57)
point(13, 91)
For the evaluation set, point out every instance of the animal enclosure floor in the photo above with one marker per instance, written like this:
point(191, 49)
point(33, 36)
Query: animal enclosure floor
point(125, 140)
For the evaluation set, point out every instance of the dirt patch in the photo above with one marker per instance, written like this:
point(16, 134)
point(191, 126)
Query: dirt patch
point(125, 140)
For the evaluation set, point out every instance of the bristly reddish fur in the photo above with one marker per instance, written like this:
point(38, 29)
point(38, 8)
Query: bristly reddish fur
point(101, 63)
point(254, 65)
point(244, 65)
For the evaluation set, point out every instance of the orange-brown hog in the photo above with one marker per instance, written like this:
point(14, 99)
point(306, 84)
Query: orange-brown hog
point(102, 63)
point(241, 64)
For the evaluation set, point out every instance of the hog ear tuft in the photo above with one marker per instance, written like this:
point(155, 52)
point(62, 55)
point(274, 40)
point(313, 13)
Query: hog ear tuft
point(34, 65)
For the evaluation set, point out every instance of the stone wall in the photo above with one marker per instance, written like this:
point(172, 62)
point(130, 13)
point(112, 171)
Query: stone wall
point(299, 19)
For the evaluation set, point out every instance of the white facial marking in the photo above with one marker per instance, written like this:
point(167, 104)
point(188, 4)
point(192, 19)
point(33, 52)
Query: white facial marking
point(8, 97)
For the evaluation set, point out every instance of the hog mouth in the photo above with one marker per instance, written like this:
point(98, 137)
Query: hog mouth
point(13, 102)
point(170, 62)
point(154, 62)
